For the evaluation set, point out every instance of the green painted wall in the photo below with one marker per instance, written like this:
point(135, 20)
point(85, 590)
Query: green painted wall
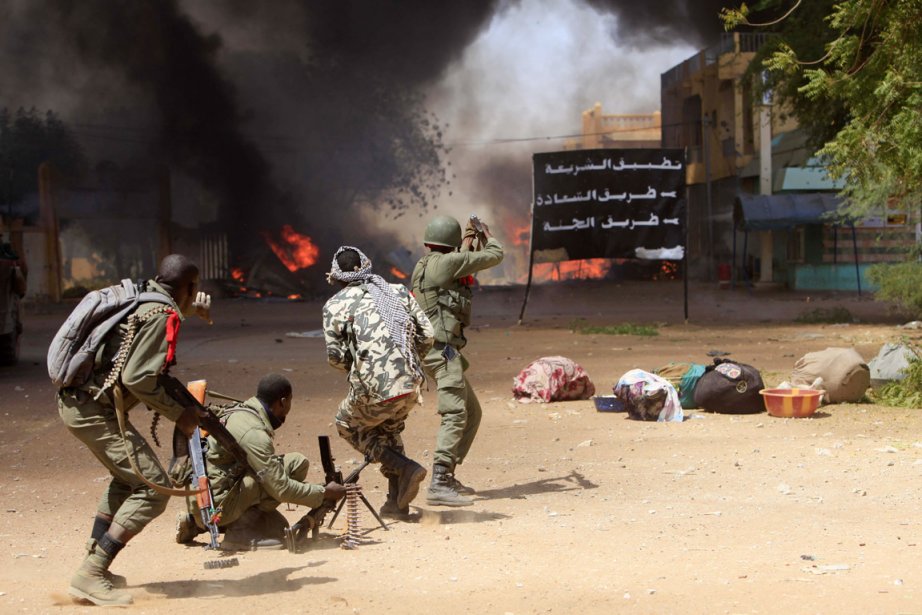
point(831, 277)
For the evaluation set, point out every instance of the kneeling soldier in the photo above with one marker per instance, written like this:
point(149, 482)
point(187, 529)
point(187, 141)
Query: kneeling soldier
point(248, 498)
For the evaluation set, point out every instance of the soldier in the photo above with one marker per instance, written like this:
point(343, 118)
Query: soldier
point(442, 282)
point(376, 332)
point(144, 344)
point(248, 502)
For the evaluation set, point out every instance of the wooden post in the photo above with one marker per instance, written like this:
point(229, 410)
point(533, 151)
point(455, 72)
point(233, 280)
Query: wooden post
point(48, 214)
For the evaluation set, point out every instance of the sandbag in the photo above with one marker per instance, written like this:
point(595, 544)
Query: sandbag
point(647, 397)
point(846, 377)
point(730, 387)
point(552, 379)
point(684, 377)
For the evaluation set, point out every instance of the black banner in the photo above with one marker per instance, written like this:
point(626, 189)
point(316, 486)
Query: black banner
point(609, 203)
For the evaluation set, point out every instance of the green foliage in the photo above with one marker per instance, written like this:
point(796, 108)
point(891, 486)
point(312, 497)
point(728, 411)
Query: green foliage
point(579, 326)
point(833, 315)
point(851, 71)
point(905, 393)
point(900, 283)
point(28, 138)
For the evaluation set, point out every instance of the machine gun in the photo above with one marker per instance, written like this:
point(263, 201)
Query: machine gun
point(295, 536)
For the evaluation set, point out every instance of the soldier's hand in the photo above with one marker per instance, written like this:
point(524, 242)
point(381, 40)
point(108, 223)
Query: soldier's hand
point(187, 422)
point(201, 307)
point(333, 492)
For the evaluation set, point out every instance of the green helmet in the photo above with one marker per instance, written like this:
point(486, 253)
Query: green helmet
point(443, 231)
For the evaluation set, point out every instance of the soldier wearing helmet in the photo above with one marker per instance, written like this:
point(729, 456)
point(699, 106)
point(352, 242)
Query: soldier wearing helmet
point(442, 282)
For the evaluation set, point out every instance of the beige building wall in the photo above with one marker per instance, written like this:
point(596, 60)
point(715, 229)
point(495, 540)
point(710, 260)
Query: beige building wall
point(601, 130)
point(707, 107)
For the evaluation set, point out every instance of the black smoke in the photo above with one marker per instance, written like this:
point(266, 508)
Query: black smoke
point(664, 21)
point(292, 111)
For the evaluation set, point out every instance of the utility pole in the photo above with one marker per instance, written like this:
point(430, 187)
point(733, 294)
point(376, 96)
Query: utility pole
point(709, 207)
point(765, 182)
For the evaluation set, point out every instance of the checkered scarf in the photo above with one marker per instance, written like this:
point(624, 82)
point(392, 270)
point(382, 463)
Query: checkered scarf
point(388, 303)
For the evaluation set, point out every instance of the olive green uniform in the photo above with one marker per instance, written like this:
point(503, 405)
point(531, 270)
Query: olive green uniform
point(129, 502)
point(277, 478)
point(446, 300)
point(383, 385)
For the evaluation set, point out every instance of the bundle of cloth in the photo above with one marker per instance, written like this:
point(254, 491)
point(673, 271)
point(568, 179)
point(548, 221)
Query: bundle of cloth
point(552, 379)
point(648, 397)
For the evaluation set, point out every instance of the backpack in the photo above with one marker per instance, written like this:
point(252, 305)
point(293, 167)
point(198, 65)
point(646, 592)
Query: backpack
point(73, 349)
point(730, 387)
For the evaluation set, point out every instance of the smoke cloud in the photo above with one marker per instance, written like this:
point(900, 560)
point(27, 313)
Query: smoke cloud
point(298, 111)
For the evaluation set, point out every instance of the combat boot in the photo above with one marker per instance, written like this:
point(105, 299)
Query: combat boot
point(117, 580)
point(441, 492)
point(390, 509)
point(91, 583)
point(186, 529)
point(409, 475)
point(460, 487)
point(246, 534)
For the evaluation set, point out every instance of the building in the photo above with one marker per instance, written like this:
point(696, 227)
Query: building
point(735, 148)
point(600, 130)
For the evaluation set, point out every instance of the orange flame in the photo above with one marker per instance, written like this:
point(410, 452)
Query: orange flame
point(669, 270)
point(237, 275)
point(294, 297)
point(588, 269)
point(296, 251)
point(520, 235)
point(397, 273)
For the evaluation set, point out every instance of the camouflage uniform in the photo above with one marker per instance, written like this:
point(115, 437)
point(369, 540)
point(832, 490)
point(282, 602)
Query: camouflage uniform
point(129, 502)
point(445, 296)
point(277, 478)
point(383, 384)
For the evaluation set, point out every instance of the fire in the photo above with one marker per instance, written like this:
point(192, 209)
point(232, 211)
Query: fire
point(669, 270)
point(237, 275)
point(397, 273)
point(296, 251)
point(588, 269)
point(520, 235)
point(294, 297)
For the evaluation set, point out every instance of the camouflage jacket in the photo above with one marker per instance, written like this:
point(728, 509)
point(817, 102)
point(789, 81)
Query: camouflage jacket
point(358, 342)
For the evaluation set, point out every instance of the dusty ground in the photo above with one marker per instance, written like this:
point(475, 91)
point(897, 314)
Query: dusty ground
point(720, 514)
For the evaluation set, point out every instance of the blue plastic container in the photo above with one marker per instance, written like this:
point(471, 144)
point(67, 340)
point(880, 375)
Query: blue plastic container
point(608, 403)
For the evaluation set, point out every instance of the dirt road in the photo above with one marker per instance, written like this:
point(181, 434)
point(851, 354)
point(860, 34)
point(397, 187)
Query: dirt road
point(577, 511)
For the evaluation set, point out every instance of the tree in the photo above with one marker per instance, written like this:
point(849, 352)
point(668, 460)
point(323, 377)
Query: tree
point(27, 139)
point(851, 72)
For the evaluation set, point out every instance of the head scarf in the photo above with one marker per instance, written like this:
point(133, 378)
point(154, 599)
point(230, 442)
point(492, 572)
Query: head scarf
point(391, 309)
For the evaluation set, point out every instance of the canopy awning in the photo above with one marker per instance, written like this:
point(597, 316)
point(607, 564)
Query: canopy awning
point(756, 212)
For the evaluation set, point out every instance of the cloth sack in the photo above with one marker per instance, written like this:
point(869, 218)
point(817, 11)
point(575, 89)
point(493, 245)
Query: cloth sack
point(730, 387)
point(846, 377)
point(684, 377)
point(890, 363)
point(648, 397)
point(552, 379)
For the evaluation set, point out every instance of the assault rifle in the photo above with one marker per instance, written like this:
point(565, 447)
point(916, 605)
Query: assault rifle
point(207, 419)
point(312, 522)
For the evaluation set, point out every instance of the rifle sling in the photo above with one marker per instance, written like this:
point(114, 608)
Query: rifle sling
point(120, 412)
